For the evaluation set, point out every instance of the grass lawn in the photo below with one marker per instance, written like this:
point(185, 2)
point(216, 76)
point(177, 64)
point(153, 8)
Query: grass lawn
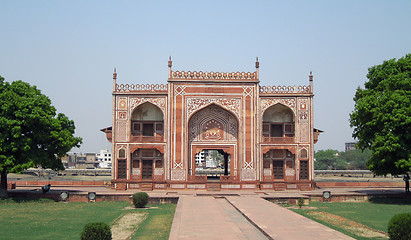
point(46, 219)
point(158, 223)
point(374, 214)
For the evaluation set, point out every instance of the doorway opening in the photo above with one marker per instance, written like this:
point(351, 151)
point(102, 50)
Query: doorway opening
point(147, 170)
point(212, 163)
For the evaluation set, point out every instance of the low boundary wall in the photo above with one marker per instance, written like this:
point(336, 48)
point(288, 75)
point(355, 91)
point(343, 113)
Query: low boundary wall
point(60, 183)
point(359, 184)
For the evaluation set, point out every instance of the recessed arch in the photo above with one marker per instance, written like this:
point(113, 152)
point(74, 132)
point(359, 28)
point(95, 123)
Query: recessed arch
point(303, 154)
point(147, 112)
point(213, 123)
point(278, 113)
point(213, 128)
point(147, 120)
point(122, 153)
point(236, 115)
point(278, 124)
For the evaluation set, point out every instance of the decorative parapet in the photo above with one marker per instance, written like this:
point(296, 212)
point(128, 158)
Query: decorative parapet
point(285, 89)
point(141, 87)
point(212, 75)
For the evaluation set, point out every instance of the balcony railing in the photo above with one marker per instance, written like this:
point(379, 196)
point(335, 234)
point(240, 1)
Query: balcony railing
point(198, 178)
point(228, 178)
point(147, 139)
point(278, 139)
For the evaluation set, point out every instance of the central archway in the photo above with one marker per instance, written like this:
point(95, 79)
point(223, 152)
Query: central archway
point(213, 129)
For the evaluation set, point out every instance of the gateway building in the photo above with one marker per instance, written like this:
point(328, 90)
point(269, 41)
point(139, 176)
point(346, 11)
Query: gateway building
point(211, 131)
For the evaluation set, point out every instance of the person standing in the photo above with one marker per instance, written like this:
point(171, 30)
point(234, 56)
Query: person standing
point(406, 179)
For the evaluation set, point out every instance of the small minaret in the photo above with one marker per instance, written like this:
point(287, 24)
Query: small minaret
point(311, 81)
point(170, 64)
point(257, 66)
point(114, 80)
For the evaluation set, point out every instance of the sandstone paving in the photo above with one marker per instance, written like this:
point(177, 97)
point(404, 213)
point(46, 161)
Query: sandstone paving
point(281, 223)
point(210, 218)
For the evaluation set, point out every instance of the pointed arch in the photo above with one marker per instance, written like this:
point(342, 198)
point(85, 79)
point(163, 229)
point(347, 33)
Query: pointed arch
point(278, 113)
point(235, 114)
point(147, 111)
point(213, 123)
point(278, 124)
point(147, 120)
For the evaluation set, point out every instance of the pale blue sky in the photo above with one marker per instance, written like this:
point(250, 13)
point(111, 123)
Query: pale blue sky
point(68, 49)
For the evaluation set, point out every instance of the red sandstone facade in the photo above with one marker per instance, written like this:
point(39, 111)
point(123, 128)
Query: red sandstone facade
point(264, 135)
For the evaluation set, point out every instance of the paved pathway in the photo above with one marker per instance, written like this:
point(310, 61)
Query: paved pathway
point(281, 223)
point(211, 218)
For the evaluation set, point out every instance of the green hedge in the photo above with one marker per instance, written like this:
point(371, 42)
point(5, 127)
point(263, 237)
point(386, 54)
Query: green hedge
point(399, 227)
point(96, 231)
point(140, 199)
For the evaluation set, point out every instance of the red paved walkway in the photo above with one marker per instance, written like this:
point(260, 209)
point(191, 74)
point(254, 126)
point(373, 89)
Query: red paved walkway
point(281, 223)
point(199, 217)
point(210, 218)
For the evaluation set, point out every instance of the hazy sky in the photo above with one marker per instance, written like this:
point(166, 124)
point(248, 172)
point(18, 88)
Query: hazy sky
point(68, 49)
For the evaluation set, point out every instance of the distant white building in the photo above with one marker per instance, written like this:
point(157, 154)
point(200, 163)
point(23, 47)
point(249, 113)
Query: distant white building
point(200, 159)
point(104, 159)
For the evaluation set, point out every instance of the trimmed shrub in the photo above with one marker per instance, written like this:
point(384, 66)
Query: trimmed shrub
point(96, 231)
point(300, 202)
point(399, 227)
point(140, 199)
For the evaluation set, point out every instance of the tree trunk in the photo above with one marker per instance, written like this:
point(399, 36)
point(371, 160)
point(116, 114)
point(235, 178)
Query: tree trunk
point(3, 185)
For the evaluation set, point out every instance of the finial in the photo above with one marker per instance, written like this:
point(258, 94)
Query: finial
point(114, 80)
point(311, 82)
point(170, 63)
point(257, 64)
point(114, 74)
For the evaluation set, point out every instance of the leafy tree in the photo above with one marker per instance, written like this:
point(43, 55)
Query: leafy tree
point(329, 160)
point(31, 134)
point(382, 116)
point(356, 159)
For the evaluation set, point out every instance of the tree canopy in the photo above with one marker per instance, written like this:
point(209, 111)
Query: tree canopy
point(382, 116)
point(331, 159)
point(31, 133)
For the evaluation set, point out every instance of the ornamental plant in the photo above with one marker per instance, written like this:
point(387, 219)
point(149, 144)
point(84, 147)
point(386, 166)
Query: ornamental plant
point(399, 227)
point(140, 199)
point(300, 202)
point(96, 231)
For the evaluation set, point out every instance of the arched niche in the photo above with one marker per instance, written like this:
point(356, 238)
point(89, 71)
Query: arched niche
point(122, 153)
point(278, 122)
point(215, 129)
point(147, 112)
point(213, 123)
point(303, 154)
point(278, 113)
point(147, 120)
